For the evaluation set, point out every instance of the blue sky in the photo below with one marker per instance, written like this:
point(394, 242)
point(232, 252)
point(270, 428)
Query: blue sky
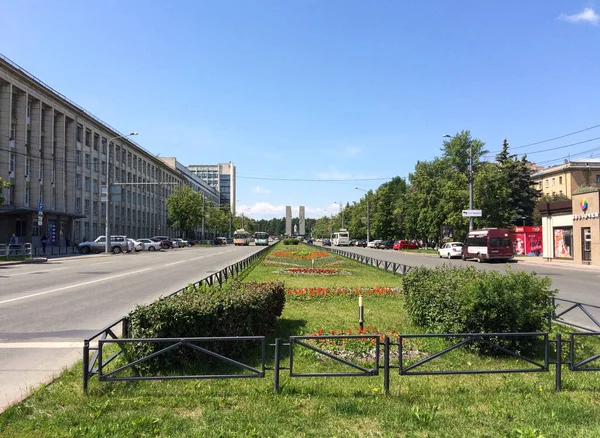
point(312, 98)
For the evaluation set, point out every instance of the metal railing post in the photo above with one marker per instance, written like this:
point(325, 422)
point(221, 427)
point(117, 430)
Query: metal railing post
point(86, 363)
point(386, 365)
point(558, 362)
point(276, 367)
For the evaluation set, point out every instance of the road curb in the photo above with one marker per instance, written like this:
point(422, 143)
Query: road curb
point(24, 262)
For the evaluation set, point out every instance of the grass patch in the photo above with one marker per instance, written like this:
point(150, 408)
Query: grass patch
point(507, 405)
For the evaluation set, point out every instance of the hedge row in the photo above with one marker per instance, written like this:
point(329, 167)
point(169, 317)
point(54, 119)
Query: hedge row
point(238, 309)
point(290, 241)
point(466, 300)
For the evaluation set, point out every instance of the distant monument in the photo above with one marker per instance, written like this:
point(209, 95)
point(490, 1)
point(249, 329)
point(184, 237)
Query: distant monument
point(302, 231)
point(295, 229)
point(288, 220)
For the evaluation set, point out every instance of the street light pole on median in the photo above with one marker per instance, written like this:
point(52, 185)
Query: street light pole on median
point(107, 212)
point(368, 214)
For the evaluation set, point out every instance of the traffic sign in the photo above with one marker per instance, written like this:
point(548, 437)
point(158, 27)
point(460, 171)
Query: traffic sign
point(40, 206)
point(471, 213)
point(40, 221)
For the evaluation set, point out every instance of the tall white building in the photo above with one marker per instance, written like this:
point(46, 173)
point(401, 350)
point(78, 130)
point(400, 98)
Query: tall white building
point(221, 177)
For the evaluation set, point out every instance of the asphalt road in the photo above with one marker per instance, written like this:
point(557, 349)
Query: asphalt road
point(46, 310)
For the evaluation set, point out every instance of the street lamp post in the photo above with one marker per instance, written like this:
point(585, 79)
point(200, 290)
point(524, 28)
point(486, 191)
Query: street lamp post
point(368, 214)
point(471, 226)
point(341, 211)
point(107, 212)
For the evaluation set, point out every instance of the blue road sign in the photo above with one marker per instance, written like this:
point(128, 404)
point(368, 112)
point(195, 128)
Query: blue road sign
point(40, 206)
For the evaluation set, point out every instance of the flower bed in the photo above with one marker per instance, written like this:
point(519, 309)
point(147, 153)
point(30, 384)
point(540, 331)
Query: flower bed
point(299, 254)
point(313, 271)
point(324, 292)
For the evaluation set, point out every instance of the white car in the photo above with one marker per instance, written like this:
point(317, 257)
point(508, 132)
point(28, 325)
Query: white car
point(134, 245)
point(178, 243)
point(451, 249)
point(149, 245)
point(373, 243)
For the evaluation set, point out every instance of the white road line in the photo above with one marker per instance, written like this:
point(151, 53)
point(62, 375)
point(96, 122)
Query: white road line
point(176, 263)
point(29, 345)
point(196, 258)
point(73, 286)
point(45, 271)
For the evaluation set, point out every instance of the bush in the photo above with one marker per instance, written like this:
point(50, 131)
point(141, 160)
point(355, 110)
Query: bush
point(290, 241)
point(239, 309)
point(466, 300)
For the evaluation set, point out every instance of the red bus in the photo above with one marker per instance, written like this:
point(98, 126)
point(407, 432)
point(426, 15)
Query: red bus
point(488, 244)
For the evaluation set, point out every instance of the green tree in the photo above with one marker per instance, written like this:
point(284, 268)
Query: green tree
point(184, 209)
point(3, 184)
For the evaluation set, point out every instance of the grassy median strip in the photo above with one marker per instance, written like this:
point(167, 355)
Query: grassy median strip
point(322, 298)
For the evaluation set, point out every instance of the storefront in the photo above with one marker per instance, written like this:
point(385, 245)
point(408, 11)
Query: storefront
point(527, 240)
point(557, 230)
point(586, 228)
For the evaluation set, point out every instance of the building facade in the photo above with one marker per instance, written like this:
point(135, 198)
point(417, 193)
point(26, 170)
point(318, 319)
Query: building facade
point(566, 178)
point(54, 155)
point(221, 177)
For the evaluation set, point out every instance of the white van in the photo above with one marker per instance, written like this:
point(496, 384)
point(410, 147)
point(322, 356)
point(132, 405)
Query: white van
point(341, 238)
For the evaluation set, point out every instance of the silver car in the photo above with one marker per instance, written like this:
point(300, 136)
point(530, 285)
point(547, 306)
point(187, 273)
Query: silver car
point(150, 245)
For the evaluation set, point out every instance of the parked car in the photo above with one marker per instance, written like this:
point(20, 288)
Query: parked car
point(361, 243)
point(134, 245)
point(385, 244)
point(118, 245)
point(150, 245)
point(373, 243)
point(178, 243)
point(326, 242)
point(450, 249)
point(165, 241)
point(405, 244)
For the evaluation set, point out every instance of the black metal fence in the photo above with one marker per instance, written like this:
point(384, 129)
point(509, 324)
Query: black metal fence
point(540, 362)
point(92, 365)
point(395, 268)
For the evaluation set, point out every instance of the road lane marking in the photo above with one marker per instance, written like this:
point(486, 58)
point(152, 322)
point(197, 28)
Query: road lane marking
point(38, 345)
point(196, 258)
point(45, 271)
point(73, 286)
point(176, 263)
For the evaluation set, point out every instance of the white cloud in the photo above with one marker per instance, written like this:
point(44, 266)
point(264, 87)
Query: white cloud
point(351, 151)
point(260, 190)
point(588, 15)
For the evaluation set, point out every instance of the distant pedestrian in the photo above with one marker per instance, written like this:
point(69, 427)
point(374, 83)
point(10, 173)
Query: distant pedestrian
point(14, 241)
point(44, 241)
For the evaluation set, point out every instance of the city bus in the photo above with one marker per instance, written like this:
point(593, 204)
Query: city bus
point(341, 238)
point(261, 238)
point(241, 237)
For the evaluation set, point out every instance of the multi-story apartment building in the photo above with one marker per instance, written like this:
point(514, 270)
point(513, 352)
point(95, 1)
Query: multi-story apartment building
point(566, 178)
point(54, 155)
point(221, 177)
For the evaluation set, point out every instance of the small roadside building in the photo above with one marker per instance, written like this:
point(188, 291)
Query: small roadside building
point(571, 229)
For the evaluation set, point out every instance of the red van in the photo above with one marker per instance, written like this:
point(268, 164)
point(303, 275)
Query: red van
point(488, 244)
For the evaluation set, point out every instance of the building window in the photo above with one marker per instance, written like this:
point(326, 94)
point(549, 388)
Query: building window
point(87, 206)
point(27, 166)
point(42, 173)
point(77, 204)
point(104, 145)
point(546, 183)
point(13, 131)
point(26, 199)
point(597, 179)
point(95, 186)
point(79, 133)
point(78, 158)
point(103, 168)
point(96, 141)
point(560, 179)
point(88, 137)
point(563, 242)
point(553, 181)
point(95, 165)
point(87, 161)
point(77, 181)
point(11, 160)
point(87, 184)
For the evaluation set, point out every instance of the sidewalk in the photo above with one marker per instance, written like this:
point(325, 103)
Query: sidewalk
point(555, 263)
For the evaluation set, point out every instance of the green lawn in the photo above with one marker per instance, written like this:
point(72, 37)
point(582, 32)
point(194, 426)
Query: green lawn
point(493, 405)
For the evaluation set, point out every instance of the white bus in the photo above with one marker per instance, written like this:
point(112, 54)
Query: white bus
point(261, 238)
point(341, 238)
point(241, 238)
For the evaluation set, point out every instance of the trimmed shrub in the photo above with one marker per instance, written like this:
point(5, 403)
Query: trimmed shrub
point(466, 300)
point(290, 241)
point(239, 309)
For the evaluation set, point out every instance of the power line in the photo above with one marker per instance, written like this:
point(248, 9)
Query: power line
point(570, 156)
point(556, 138)
point(314, 179)
point(565, 146)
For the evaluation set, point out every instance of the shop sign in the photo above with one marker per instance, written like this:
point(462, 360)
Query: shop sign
point(579, 217)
